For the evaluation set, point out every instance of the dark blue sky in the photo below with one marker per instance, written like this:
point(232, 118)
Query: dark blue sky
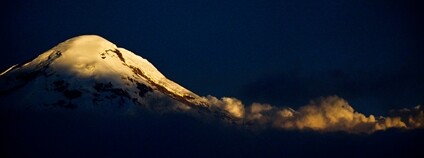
point(369, 52)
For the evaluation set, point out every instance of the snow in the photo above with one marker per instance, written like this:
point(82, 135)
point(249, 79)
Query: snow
point(1, 74)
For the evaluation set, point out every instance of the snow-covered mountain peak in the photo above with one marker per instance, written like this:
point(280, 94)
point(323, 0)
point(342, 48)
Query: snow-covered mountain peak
point(89, 65)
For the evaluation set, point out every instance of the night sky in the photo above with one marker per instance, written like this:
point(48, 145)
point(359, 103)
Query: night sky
point(369, 52)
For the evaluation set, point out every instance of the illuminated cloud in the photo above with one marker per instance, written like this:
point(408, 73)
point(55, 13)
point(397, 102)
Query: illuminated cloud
point(232, 105)
point(329, 114)
point(413, 118)
point(260, 113)
point(333, 114)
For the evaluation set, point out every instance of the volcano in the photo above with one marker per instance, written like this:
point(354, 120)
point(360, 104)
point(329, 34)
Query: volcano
point(89, 72)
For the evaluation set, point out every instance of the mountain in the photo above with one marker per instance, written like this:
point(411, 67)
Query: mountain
point(88, 72)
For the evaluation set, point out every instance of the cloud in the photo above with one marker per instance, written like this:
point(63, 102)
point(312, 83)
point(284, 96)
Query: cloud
point(333, 114)
point(259, 113)
point(413, 118)
point(326, 114)
point(294, 86)
point(232, 105)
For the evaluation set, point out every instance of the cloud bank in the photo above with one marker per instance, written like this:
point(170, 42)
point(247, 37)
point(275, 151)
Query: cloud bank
point(326, 114)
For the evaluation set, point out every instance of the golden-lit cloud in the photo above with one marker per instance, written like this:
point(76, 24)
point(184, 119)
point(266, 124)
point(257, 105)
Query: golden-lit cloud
point(333, 114)
point(328, 114)
point(413, 118)
point(232, 105)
